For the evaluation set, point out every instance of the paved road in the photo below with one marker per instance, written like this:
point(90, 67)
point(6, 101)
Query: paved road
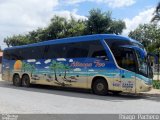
point(48, 100)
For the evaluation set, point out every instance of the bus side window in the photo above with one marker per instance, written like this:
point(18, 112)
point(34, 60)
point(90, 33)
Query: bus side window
point(77, 53)
point(6, 55)
point(77, 50)
point(98, 51)
point(55, 51)
point(31, 53)
point(14, 54)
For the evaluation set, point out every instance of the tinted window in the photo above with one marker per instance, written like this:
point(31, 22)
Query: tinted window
point(78, 50)
point(113, 44)
point(14, 55)
point(98, 53)
point(55, 51)
point(97, 50)
point(32, 52)
point(69, 50)
point(6, 54)
point(24, 53)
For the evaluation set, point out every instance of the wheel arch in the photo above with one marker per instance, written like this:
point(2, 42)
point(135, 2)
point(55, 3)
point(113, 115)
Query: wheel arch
point(14, 75)
point(98, 77)
point(24, 75)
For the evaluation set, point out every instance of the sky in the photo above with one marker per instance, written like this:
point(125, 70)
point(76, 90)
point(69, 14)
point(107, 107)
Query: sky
point(22, 16)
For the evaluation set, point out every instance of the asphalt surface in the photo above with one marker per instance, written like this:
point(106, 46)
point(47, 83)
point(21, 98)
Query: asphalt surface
point(50, 100)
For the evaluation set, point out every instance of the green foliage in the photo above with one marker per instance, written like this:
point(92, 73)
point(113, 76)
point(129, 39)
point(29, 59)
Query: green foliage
point(55, 65)
point(148, 35)
point(98, 22)
point(26, 67)
point(17, 40)
point(59, 27)
point(101, 22)
point(156, 84)
point(117, 27)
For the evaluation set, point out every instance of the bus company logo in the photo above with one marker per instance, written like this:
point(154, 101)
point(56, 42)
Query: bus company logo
point(9, 117)
point(79, 64)
point(99, 64)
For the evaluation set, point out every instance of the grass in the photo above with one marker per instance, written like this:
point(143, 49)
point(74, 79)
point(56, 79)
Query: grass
point(156, 84)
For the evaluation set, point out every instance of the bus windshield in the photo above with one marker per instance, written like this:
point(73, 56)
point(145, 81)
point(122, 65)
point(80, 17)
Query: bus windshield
point(131, 56)
point(125, 58)
point(133, 59)
point(142, 63)
point(144, 67)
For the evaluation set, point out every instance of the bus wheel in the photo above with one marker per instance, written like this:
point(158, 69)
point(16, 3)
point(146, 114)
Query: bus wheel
point(100, 87)
point(26, 81)
point(17, 81)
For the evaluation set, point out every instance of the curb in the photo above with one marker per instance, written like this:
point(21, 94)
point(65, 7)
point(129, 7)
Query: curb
point(149, 94)
point(153, 93)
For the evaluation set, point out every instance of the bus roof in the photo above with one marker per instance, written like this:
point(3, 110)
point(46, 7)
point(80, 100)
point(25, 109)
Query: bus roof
point(75, 39)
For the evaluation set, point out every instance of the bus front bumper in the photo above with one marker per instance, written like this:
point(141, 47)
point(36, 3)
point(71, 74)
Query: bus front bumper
point(142, 87)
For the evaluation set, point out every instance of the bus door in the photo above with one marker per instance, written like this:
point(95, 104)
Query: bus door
point(128, 71)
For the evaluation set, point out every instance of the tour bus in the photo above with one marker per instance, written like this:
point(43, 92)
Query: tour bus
point(102, 63)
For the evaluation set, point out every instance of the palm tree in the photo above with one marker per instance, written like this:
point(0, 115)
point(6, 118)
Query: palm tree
point(32, 69)
point(66, 68)
point(156, 17)
point(26, 67)
point(55, 66)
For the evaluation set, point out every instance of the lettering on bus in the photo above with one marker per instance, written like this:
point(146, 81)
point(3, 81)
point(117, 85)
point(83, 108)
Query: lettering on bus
point(97, 63)
point(128, 84)
point(79, 64)
point(117, 84)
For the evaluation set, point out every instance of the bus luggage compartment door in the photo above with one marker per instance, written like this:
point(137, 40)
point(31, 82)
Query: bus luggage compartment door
point(128, 81)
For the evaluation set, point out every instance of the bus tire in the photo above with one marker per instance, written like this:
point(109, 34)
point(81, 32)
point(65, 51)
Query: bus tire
point(100, 87)
point(17, 80)
point(25, 81)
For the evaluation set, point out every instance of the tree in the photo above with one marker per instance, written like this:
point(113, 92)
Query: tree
point(56, 27)
point(61, 27)
point(148, 35)
point(32, 69)
point(74, 28)
point(55, 66)
point(17, 40)
point(98, 22)
point(7, 41)
point(66, 68)
point(117, 27)
point(156, 16)
point(26, 67)
point(101, 22)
